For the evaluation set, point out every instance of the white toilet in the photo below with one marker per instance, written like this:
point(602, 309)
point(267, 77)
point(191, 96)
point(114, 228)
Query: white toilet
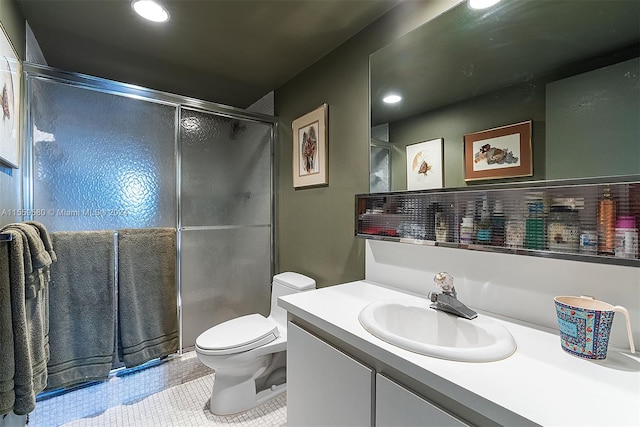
point(248, 354)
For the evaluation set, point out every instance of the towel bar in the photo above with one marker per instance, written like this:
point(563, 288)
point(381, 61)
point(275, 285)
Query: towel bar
point(6, 237)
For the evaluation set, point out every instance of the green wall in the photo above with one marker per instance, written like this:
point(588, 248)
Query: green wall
point(316, 225)
point(593, 120)
point(14, 24)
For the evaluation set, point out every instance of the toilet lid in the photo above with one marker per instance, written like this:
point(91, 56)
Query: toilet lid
point(239, 334)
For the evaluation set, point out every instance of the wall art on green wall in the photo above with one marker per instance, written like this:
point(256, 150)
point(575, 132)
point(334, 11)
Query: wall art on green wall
point(425, 165)
point(10, 92)
point(502, 152)
point(310, 149)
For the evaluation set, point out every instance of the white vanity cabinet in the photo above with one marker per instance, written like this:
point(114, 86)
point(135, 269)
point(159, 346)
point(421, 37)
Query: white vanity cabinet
point(397, 406)
point(325, 387)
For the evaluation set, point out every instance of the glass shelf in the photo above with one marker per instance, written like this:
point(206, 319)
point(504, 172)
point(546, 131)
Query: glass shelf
point(564, 219)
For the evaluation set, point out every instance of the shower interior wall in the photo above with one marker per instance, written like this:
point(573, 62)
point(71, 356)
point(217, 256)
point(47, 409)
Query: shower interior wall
point(105, 155)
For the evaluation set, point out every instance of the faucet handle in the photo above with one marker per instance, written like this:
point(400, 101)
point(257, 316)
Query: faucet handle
point(444, 281)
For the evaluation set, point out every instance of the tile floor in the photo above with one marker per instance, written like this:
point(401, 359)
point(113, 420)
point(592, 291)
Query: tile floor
point(175, 393)
point(185, 405)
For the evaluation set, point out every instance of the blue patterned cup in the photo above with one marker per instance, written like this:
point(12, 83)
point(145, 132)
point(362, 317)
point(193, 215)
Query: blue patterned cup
point(585, 325)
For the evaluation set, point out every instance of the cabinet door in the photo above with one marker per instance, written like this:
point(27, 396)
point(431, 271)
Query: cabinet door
point(325, 387)
point(398, 407)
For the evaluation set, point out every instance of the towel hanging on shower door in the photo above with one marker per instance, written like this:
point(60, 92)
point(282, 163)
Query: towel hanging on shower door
point(147, 294)
point(82, 331)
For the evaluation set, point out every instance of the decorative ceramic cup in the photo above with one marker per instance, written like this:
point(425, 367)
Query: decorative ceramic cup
point(585, 325)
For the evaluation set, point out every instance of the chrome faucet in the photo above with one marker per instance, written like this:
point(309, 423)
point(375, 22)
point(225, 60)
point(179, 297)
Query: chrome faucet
point(447, 300)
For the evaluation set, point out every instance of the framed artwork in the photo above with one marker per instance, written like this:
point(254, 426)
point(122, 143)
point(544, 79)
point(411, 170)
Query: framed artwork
point(310, 149)
point(10, 92)
point(503, 152)
point(425, 165)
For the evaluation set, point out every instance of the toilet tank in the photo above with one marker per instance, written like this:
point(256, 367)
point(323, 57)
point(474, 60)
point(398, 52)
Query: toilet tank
point(285, 284)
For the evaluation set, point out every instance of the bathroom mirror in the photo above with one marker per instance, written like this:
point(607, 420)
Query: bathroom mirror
point(571, 67)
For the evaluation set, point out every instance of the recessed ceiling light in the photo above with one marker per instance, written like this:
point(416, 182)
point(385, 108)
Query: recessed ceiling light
point(150, 10)
point(482, 4)
point(392, 99)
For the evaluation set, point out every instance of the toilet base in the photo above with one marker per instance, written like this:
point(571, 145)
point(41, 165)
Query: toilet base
point(232, 395)
point(260, 398)
point(270, 393)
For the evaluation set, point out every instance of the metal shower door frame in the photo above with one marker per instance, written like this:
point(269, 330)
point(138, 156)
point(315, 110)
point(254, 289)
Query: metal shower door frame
point(32, 72)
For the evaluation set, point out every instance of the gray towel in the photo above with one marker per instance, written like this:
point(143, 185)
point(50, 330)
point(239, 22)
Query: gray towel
point(147, 294)
point(45, 237)
point(82, 310)
point(43, 275)
point(30, 328)
point(36, 260)
point(26, 254)
point(7, 366)
point(39, 255)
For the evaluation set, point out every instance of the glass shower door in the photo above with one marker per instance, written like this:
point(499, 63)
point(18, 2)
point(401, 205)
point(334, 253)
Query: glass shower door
point(101, 161)
point(226, 219)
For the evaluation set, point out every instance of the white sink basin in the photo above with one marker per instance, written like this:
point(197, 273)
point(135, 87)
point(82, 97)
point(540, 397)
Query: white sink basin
point(412, 325)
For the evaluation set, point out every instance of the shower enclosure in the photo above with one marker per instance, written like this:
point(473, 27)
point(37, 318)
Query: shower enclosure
point(102, 155)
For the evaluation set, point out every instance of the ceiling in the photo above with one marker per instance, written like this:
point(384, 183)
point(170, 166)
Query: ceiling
point(231, 52)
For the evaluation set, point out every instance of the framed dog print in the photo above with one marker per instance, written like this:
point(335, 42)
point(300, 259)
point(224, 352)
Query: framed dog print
point(503, 152)
point(310, 149)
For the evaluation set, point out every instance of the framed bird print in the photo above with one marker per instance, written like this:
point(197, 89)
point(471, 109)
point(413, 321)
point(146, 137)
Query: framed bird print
point(10, 92)
point(310, 149)
point(425, 165)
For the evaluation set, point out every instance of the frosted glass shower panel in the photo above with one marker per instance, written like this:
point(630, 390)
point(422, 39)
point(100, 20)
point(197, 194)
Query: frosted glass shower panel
point(226, 170)
point(101, 161)
point(226, 273)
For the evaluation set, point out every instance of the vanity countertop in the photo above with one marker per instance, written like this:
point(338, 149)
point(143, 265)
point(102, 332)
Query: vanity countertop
point(539, 382)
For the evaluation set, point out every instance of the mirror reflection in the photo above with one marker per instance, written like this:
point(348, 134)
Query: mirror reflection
point(572, 68)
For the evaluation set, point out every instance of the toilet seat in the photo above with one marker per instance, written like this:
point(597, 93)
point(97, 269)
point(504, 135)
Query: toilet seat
point(237, 335)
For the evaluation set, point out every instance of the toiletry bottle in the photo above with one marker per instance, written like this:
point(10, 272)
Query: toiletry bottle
point(430, 221)
point(515, 231)
point(484, 227)
point(442, 229)
point(498, 225)
point(626, 237)
point(535, 224)
point(589, 241)
point(472, 213)
point(563, 228)
point(468, 226)
point(606, 224)
point(466, 231)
